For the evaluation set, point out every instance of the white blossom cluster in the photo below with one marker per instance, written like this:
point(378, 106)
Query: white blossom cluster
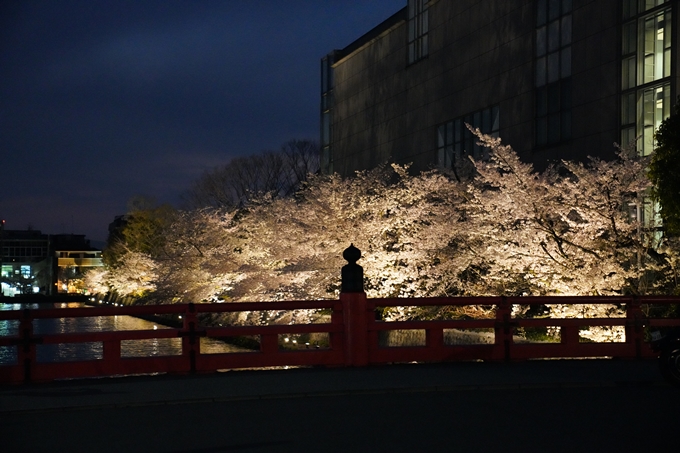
point(509, 230)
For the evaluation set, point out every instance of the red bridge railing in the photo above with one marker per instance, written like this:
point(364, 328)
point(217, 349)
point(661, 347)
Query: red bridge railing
point(506, 344)
point(355, 336)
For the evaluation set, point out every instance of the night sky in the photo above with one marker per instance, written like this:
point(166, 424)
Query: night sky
point(101, 101)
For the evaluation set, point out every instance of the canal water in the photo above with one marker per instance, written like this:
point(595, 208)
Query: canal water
point(94, 350)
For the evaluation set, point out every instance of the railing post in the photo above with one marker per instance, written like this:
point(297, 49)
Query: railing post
point(354, 309)
point(634, 326)
point(111, 351)
point(190, 340)
point(26, 355)
point(503, 329)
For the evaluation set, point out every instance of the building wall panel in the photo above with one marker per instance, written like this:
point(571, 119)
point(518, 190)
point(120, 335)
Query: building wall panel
point(481, 53)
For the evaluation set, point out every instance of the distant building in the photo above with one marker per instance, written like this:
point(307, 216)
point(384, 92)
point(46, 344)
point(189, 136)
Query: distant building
point(24, 263)
point(35, 263)
point(556, 79)
point(71, 257)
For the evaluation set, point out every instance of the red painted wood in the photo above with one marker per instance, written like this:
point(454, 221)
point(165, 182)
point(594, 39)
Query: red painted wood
point(353, 336)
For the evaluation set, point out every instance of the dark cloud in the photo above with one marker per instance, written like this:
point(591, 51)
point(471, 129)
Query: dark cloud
point(101, 101)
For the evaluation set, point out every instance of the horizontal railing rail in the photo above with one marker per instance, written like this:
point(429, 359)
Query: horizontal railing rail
point(191, 359)
point(505, 344)
point(354, 336)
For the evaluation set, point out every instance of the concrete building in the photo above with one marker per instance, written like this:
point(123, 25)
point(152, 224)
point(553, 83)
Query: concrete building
point(24, 263)
point(555, 79)
point(72, 256)
point(35, 263)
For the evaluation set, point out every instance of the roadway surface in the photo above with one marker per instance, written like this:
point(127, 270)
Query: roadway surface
point(547, 406)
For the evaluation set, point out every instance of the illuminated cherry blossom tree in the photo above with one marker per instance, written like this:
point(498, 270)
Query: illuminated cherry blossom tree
point(564, 231)
point(96, 280)
point(134, 275)
point(507, 231)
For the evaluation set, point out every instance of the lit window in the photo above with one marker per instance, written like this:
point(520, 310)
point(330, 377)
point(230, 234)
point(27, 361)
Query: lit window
point(633, 7)
point(646, 71)
point(654, 107)
point(655, 47)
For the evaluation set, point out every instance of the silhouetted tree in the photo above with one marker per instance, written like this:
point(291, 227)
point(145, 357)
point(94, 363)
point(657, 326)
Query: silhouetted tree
point(142, 230)
point(273, 173)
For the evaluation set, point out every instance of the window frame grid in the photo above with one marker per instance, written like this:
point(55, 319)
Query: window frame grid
point(552, 74)
point(455, 140)
point(637, 120)
point(418, 28)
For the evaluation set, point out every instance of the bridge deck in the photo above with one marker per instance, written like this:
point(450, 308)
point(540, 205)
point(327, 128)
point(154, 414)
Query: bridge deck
point(565, 405)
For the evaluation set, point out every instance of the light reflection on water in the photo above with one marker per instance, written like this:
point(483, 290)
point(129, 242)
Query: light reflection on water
point(94, 350)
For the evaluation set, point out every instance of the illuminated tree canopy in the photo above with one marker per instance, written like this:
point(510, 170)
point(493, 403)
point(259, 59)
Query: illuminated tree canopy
point(508, 231)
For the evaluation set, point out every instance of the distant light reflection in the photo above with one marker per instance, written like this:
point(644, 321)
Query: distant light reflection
point(50, 353)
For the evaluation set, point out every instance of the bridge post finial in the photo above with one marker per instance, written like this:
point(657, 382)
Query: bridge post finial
point(352, 274)
point(355, 311)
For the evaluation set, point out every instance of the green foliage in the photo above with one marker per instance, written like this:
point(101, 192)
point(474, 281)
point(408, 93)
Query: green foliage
point(664, 171)
point(537, 335)
point(144, 230)
point(146, 227)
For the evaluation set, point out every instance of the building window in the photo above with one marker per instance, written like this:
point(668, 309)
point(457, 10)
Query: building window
point(645, 72)
point(654, 105)
point(646, 212)
point(455, 141)
point(655, 47)
point(326, 113)
point(553, 112)
point(553, 71)
point(418, 27)
point(631, 8)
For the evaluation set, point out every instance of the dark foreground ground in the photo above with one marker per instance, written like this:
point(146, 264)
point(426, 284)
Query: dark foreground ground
point(542, 406)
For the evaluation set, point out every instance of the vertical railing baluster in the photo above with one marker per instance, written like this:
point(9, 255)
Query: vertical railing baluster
point(269, 343)
point(434, 338)
point(190, 340)
point(26, 351)
point(634, 325)
point(111, 351)
point(337, 339)
point(503, 329)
